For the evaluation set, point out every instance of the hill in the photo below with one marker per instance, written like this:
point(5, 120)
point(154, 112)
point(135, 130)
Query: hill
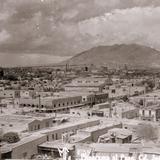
point(118, 55)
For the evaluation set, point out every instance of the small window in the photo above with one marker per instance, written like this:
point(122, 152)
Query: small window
point(113, 91)
point(56, 136)
point(11, 125)
point(143, 112)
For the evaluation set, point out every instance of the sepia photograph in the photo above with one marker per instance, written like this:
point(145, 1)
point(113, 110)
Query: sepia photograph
point(79, 79)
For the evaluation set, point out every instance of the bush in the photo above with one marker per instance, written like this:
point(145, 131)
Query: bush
point(147, 132)
point(11, 137)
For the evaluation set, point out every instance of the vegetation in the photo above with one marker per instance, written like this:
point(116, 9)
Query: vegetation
point(1, 135)
point(147, 132)
point(11, 137)
point(125, 98)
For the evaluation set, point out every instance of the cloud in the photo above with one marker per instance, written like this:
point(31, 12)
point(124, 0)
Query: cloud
point(67, 27)
point(136, 25)
point(4, 35)
point(25, 59)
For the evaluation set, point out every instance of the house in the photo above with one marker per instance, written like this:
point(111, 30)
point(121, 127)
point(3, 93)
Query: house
point(151, 113)
point(116, 135)
point(86, 84)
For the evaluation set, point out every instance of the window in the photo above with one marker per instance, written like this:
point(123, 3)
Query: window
point(149, 112)
point(47, 124)
point(143, 112)
point(11, 125)
point(38, 126)
point(53, 136)
point(24, 154)
point(56, 136)
point(113, 91)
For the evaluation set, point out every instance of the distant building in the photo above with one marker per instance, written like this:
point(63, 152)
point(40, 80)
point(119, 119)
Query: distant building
point(19, 123)
point(86, 84)
point(125, 110)
point(63, 101)
point(116, 91)
point(116, 135)
point(151, 113)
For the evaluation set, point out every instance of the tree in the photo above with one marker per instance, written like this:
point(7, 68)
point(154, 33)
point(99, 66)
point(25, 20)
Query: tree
point(1, 135)
point(11, 137)
point(125, 98)
point(147, 132)
point(11, 77)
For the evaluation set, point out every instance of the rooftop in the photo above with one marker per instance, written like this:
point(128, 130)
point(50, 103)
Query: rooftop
point(56, 144)
point(101, 126)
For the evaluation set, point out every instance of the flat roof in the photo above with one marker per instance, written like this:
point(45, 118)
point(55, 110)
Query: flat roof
point(68, 124)
point(153, 107)
point(56, 144)
point(101, 126)
point(24, 140)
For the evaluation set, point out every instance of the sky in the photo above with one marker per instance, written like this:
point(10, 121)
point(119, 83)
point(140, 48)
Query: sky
point(49, 31)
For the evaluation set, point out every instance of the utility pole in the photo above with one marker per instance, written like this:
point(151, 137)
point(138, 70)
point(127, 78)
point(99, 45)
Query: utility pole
point(39, 98)
point(110, 108)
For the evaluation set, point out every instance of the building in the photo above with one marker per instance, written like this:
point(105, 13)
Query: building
point(52, 104)
point(63, 101)
point(86, 84)
point(124, 110)
point(8, 94)
point(151, 113)
point(27, 147)
point(22, 123)
point(113, 151)
point(99, 130)
point(116, 135)
point(121, 90)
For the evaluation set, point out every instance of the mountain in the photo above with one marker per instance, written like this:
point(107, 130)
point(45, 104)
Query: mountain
point(118, 55)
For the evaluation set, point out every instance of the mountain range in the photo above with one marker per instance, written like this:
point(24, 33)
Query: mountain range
point(118, 55)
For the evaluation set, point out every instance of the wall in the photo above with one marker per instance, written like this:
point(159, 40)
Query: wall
point(57, 134)
point(27, 150)
point(95, 134)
